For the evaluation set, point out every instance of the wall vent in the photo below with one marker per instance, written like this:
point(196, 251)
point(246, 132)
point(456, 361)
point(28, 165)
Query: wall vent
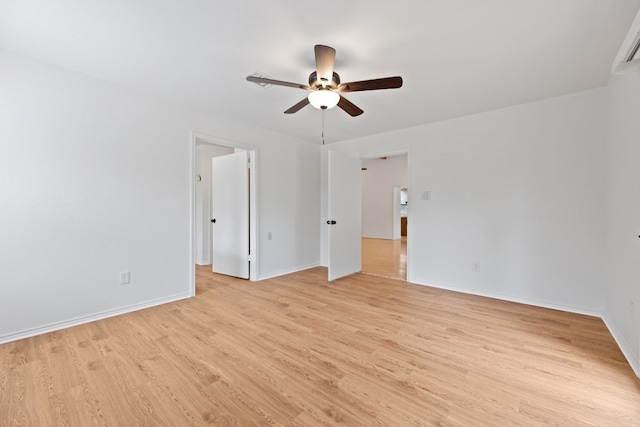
point(634, 52)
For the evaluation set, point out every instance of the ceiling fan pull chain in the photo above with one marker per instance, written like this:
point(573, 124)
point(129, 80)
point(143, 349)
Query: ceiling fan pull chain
point(322, 127)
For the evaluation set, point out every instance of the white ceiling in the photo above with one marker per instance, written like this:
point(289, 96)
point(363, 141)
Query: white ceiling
point(457, 57)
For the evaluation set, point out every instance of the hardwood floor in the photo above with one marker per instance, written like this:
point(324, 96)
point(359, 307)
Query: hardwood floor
point(297, 350)
point(385, 257)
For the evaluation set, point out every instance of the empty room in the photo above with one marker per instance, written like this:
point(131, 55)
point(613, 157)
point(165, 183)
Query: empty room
point(190, 191)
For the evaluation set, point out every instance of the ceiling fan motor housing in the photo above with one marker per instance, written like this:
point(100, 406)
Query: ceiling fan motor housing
point(316, 83)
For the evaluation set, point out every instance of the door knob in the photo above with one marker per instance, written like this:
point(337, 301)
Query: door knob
point(331, 222)
point(213, 220)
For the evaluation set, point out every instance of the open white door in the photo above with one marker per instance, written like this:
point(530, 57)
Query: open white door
point(230, 214)
point(345, 218)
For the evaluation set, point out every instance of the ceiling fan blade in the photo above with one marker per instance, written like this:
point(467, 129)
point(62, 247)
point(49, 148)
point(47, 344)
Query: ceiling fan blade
point(325, 60)
point(262, 80)
point(375, 84)
point(298, 106)
point(348, 106)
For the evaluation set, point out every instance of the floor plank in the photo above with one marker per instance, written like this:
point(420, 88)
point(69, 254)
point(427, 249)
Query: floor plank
point(385, 257)
point(300, 351)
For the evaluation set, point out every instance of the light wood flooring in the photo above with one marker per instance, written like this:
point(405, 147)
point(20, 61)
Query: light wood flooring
point(299, 351)
point(385, 257)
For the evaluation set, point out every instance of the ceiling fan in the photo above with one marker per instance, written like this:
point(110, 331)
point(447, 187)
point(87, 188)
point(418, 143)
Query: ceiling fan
point(325, 86)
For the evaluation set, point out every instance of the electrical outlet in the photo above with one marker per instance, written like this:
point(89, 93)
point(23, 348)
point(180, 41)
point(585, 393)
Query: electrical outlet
point(632, 307)
point(125, 278)
point(476, 267)
point(269, 235)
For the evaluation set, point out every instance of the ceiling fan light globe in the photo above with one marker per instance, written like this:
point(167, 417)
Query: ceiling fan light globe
point(324, 99)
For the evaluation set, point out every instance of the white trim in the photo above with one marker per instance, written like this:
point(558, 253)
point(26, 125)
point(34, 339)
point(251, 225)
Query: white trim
point(289, 271)
point(57, 326)
point(253, 219)
point(192, 217)
point(627, 349)
point(527, 301)
point(411, 195)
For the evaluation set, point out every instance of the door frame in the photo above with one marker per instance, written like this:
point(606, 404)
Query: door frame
point(397, 214)
point(253, 205)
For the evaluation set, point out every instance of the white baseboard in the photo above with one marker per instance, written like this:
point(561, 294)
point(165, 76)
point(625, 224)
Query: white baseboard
point(625, 347)
point(632, 357)
point(14, 336)
point(527, 301)
point(288, 271)
point(87, 319)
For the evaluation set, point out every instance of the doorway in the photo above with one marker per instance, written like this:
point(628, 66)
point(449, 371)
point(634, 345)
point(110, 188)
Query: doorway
point(204, 154)
point(204, 148)
point(385, 219)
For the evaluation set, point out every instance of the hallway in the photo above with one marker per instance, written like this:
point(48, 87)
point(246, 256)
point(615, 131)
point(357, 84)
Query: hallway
point(385, 257)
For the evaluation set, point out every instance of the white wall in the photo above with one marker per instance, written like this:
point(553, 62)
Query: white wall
point(96, 179)
point(289, 208)
point(622, 285)
point(377, 195)
point(518, 190)
point(204, 154)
